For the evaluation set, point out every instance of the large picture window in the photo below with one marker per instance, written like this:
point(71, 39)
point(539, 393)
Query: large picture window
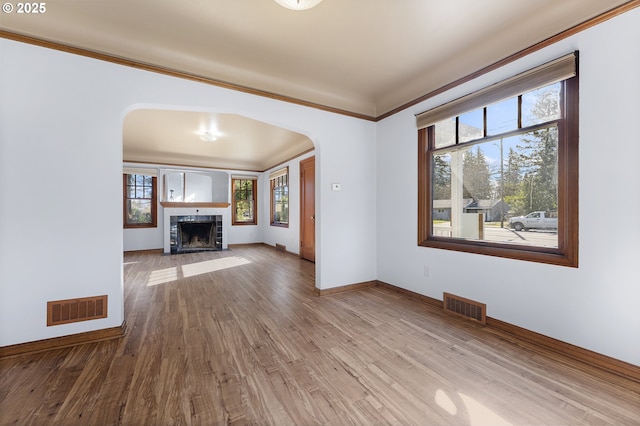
point(244, 200)
point(279, 182)
point(140, 201)
point(498, 169)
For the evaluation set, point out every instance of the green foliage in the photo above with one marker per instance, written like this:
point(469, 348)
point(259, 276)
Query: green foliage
point(538, 189)
point(243, 194)
point(137, 215)
point(441, 178)
point(281, 211)
point(476, 176)
point(532, 180)
point(512, 173)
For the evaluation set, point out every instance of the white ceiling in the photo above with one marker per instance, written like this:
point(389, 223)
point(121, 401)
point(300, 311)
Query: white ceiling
point(173, 138)
point(364, 57)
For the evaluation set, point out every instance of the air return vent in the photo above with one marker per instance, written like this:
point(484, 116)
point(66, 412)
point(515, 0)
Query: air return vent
point(465, 308)
point(75, 310)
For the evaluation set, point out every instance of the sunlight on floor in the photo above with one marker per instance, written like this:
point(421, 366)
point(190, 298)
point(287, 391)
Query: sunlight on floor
point(443, 400)
point(478, 414)
point(481, 415)
point(212, 265)
point(163, 276)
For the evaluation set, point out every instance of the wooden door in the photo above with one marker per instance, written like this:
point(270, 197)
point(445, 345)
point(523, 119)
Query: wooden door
point(308, 209)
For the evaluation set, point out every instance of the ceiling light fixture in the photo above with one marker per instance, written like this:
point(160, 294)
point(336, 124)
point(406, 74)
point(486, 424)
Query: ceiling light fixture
point(298, 4)
point(208, 137)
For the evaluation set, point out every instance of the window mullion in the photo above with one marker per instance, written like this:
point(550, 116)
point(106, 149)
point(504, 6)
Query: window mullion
point(519, 111)
point(484, 122)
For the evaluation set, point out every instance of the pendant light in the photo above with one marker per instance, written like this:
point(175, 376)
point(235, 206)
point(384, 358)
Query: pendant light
point(298, 4)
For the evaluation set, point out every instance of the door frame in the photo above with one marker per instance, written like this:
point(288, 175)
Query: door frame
point(304, 215)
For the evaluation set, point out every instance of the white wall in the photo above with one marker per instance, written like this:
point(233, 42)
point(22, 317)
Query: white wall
point(144, 238)
point(61, 172)
point(594, 306)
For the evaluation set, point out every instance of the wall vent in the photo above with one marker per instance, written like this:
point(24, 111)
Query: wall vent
point(281, 247)
point(465, 308)
point(75, 310)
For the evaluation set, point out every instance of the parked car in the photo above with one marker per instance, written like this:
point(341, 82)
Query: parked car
point(535, 220)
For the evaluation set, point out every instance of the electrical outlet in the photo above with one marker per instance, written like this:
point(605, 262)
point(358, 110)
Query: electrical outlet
point(427, 272)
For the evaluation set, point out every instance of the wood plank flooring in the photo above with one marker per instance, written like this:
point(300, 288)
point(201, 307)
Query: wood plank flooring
point(239, 337)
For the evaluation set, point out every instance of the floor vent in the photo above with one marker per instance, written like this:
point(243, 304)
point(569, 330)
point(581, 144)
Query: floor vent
point(75, 310)
point(281, 247)
point(465, 308)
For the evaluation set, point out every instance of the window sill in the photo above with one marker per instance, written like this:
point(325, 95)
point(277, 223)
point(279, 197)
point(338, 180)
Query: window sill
point(280, 225)
point(141, 226)
point(531, 254)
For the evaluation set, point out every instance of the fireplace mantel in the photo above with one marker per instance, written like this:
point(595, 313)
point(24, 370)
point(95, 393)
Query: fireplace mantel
point(172, 204)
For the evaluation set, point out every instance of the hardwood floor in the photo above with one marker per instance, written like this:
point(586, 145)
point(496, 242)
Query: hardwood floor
point(240, 337)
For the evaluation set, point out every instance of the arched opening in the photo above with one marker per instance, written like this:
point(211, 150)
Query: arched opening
point(184, 149)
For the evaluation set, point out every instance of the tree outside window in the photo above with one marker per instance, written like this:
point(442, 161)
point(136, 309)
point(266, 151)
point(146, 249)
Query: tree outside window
point(279, 182)
point(244, 201)
point(140, 201)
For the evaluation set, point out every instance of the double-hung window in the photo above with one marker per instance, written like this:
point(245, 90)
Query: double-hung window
point(498, 169)
point(140, 200)
point(245, 196)
point(279, 183)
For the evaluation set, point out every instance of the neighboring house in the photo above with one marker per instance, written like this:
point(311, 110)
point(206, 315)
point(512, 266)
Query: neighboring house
point(493, 210)
point(442, 208)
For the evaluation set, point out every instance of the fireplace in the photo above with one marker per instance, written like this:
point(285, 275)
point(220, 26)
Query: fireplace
point(195, 233)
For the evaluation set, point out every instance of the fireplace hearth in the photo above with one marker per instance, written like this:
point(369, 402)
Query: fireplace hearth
point(195, 233)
